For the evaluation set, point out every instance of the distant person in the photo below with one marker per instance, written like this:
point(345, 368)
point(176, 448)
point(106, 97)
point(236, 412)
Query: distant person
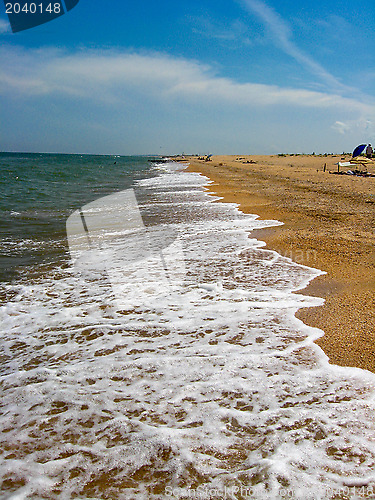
point(369, 151)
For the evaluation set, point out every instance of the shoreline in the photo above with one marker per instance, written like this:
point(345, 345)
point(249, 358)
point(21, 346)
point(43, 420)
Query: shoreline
point(328, 224)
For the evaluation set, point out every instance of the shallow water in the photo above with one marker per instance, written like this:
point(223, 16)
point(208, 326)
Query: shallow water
point(210, 388)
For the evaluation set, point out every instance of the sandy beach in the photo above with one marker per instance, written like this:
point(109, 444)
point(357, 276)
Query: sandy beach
point(328, 224)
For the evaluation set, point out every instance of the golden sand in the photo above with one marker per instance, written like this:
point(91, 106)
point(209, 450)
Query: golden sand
point(329, 223)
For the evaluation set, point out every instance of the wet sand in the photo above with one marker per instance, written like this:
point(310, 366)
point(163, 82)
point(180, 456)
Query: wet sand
point(329, 223)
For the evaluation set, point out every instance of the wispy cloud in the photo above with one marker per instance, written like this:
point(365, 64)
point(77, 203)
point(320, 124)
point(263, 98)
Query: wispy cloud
point(4, 26)
point(235, 31)
point(282, 35)
point(342, 127)
point(108, 75)
point(336, 26)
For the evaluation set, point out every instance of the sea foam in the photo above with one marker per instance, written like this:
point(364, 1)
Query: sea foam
point(212, 389)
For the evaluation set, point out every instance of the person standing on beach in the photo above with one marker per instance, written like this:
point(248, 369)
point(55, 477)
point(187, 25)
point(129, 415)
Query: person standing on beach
point(369, 151)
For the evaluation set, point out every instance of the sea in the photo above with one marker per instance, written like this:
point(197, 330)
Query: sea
point(149, 347)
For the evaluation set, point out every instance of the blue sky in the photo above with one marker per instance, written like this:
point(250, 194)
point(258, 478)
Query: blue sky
point(207, 76)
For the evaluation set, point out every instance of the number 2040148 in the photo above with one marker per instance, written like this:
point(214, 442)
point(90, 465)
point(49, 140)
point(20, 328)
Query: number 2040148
point(33, 8)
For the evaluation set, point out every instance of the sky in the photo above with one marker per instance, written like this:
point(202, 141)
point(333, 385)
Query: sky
point(204, 76)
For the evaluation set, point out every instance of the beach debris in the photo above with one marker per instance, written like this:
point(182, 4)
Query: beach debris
point(355, 161)
point(361, 173)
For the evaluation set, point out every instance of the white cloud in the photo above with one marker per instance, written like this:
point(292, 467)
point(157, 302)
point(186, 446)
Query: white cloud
point(55, 100)
point(107, 75)
point(362, 125)
point(341, 127)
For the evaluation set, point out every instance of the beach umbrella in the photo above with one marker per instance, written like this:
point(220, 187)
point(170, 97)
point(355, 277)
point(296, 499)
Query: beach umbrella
point(358, 150)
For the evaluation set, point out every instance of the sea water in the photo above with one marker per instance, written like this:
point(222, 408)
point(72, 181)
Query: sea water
point(207, 389)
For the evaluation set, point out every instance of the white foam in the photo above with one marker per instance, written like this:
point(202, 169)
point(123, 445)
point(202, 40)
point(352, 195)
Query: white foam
point(216, 384)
